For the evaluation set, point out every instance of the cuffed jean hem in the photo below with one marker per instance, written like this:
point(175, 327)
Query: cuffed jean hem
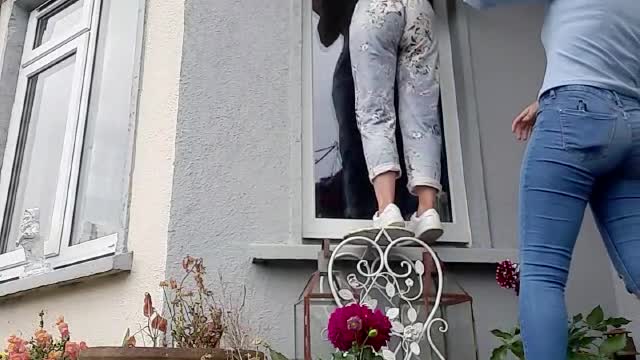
point(432, 183)
point(381, 169)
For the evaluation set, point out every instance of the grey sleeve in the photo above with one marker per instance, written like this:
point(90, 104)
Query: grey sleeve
point(485, 4)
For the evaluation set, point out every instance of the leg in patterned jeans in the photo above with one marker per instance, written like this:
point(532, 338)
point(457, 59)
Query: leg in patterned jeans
point(392, 44)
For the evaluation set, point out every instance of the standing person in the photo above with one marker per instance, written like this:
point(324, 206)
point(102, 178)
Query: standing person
point(393, 46)
point(357, 192)
point(584, 149)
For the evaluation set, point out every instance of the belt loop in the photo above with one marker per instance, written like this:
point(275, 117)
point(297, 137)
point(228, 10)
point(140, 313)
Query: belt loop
point(620, 104)
point(617, 98)
point(552, 93)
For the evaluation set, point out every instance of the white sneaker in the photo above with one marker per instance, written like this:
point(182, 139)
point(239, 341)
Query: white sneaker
point(390, 220)
point(427, 226)
point(390, 217)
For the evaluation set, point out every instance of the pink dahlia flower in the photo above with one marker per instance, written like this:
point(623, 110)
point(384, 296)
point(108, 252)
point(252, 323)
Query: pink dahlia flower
point(353, 325)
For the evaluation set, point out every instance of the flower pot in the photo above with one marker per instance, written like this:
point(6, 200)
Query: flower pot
point(120, 353)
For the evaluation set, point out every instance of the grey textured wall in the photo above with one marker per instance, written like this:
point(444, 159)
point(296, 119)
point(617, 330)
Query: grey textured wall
point(235, 182)
point(231, 180)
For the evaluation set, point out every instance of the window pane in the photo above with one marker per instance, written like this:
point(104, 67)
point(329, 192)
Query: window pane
point(342, 185)
point(58, 21)
point(39, 149)
point(104, 180)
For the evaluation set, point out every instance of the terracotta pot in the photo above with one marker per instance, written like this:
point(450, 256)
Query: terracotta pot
point(120, 353)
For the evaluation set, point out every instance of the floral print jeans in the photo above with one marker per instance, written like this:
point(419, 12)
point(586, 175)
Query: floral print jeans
point(392, 43)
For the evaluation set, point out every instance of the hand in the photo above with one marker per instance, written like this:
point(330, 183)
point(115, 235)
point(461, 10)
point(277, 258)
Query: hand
point(522, 125)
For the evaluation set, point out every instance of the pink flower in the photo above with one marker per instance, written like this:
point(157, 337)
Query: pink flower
point(353, 324)
point(63, 327)
point(508, 275)
point(17, 348)
point(54, 355)
point(42, 338)
point(19, 356)
point(16, 345)
point(64, 330)
point(72, 349)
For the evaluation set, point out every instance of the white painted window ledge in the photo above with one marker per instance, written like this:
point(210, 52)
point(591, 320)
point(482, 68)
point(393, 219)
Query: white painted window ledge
point(75, 273)
point(264, 253)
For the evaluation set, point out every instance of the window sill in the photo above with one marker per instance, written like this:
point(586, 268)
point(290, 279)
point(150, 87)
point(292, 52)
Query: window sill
point(263, 253)
point(76, 273)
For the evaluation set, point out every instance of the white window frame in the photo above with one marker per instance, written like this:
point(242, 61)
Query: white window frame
point(83, 26)
point(80, 40)
point(456, 232)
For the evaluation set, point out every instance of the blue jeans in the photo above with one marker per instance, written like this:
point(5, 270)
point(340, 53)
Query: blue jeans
point(585, 148)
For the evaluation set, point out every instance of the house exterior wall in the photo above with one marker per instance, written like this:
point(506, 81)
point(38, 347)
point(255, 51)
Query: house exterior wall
point(217, 167)
point(237, 176)
point(100, 310)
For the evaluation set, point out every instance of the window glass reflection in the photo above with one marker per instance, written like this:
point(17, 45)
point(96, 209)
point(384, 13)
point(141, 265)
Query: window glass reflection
point(342, 186)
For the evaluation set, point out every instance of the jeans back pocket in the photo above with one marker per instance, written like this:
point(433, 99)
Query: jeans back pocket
point(587, 131)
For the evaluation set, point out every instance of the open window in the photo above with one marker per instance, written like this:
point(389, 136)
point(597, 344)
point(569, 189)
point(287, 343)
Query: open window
point(338, 196)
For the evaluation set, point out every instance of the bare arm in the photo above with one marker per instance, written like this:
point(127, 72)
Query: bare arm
point(485, 4)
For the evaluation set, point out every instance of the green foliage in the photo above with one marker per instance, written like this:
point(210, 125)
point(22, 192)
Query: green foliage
point(357, 353)
point(589, 338)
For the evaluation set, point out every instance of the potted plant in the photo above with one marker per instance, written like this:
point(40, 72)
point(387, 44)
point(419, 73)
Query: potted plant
point(591, 337)
point(43, 345)
point(195, 325)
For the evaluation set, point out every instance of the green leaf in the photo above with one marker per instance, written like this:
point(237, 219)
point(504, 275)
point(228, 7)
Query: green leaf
point(575, 328)
point(613, 344)
point(577, 318)
point(367, 353)
point(583, 342)
point(582, 356)
point(501, 334)
point(601, 328)
point(578, 335)
point(617, 322)
point(343, 356)
point(499, 353)
point(595, 317)
point(274, 355)
point(517, 348)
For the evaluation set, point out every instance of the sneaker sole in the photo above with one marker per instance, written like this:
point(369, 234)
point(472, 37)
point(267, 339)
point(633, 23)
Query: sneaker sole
point(431, 236)
point(394, 231)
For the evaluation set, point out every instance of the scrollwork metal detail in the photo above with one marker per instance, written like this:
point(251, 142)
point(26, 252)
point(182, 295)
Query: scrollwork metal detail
point(398, 284)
